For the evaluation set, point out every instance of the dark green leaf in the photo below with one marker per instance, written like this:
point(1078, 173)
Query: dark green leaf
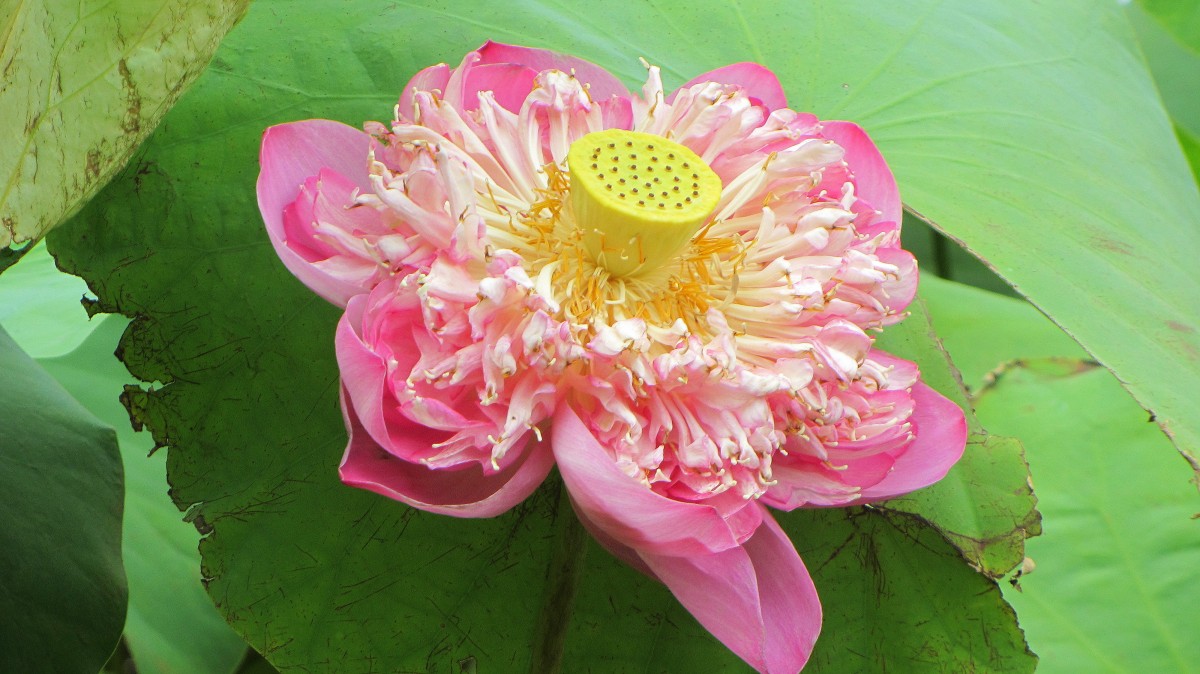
point(915, 607)
point(62, 587)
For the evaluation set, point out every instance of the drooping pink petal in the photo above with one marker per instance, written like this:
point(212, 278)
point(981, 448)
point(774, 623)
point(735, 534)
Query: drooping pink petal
point(602, 84)
point(760, 84)
point(941, 435)
point(292, 153)
point(758, 599)
point(466, 492)
point(873, 178)
point(624, 508)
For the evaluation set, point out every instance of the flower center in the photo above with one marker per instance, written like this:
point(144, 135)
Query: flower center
point(638, 199)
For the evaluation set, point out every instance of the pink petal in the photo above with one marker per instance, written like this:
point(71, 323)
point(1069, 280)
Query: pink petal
point(627, 510)
point(433, 78)
point(465, 492)
point(602, 83)
point(941, 435)
point(901, 290)
point(871, 173)
point(758, 599)
point(363, 375)
point(292, 153)
point(758, 81)
point(509, 83)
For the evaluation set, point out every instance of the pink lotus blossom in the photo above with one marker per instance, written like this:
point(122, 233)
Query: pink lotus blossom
point(685, 360)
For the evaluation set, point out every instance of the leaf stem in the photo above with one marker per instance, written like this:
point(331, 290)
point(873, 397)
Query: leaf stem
point(562, 580)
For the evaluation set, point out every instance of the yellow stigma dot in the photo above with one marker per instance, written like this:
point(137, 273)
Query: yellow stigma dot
point(622, 230)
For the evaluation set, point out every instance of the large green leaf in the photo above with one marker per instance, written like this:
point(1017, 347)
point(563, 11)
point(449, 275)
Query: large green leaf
point(1175, 67)
point(62, 586)
point(84, 83)
point(1113, 589)
point(321, 577)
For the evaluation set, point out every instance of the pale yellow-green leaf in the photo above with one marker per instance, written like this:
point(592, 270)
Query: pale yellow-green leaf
point(81, 85)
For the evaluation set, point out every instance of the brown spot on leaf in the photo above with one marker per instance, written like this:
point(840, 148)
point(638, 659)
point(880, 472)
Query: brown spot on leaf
point(1112, 245)
point(133, 100)
point(93, 163)
point(1180, 327)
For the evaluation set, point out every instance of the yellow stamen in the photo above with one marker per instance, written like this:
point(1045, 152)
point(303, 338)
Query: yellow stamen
point(638, 199)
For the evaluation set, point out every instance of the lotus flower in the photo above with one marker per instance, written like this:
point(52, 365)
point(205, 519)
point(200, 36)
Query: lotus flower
point(667, 295)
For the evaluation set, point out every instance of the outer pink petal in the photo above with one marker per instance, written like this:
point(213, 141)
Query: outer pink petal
point(874, 179)
point(758, 81)
point(758, 599)
point(625, 509)
point(466, 492)
point(941, 436)
point(290, 154)
point(602, 83)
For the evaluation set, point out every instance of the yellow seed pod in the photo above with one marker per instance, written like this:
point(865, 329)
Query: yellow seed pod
point(638, 198)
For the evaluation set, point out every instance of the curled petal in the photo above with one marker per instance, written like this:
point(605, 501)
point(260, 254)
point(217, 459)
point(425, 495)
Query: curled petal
point(601, 83)
point(630, 512)
point(760, 84)
point(901, 289)
point(940, 428)
point(290, 155)
point(464, 492)
point(758, 598)
point(873, 178)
